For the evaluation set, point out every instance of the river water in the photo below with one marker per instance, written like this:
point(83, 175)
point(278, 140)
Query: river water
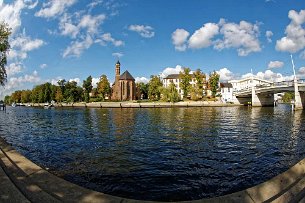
point(167, 154)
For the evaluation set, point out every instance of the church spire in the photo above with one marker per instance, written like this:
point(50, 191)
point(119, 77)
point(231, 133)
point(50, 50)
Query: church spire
point(117, 68)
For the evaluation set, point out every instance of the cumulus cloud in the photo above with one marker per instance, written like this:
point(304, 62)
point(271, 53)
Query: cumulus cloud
point(22, 44)
point(10, 13)
point(242, 36)
point(167, 71)
point(108, 38)
point(13, 69)
point(302, 71)
point(179, 39)
point(141, 79)
point(54, 8)
point(225, 74)
point(77, 80)
point(268, 35)
point(294, 40)
point(15, 83)
point(71, 27)
point(275, 64)
point(203, 37)
point(145, 31)
point(95, 81)
point(76, 48)
point(270, 75)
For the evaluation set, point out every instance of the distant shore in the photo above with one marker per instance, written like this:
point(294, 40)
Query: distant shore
point(134, 104)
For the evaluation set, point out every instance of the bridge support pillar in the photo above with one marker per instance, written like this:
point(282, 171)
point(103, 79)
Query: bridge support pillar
point(262, 99)
point(298, 98)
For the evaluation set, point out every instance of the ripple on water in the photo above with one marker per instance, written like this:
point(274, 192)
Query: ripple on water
point(159, 154)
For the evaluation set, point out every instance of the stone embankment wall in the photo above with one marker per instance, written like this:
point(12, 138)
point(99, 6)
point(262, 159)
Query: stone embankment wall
point(141, 105)
point(23, 181)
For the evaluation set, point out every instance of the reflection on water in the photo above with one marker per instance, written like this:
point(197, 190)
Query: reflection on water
point(159, 154)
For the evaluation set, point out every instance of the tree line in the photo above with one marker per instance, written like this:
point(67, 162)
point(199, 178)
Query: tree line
point(70, 92)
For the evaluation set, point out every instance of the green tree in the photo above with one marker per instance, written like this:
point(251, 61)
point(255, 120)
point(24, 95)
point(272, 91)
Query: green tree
point(71, 92)
point(47, 92)
point(170, 94)
point(142, 90)
point(103, 87)
point(58, 95)
point(200, 81)
point(5, 32)
point(154, 87)
point(213, 82)
point(26, 96)
point(7, 99)
point(87, 85)
point(185, 79)
point(287, 97)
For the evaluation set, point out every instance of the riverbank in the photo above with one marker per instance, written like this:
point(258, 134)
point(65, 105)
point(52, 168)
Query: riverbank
point(23, 181)
point(131, 104)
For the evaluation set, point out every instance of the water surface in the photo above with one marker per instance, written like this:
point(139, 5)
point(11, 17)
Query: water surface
point(164, 154)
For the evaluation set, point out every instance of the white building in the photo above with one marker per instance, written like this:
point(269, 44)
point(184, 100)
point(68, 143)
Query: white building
point(176, 80)
point(226, 91)
point(246, 83)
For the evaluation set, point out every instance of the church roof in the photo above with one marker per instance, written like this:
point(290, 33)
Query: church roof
point(126, 76)
point(118, 62)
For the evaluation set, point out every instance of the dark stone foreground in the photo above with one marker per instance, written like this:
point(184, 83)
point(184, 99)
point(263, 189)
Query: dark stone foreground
point(23, 181)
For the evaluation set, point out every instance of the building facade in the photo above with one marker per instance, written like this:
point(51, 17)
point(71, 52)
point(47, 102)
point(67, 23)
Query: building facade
point(174, 78)
point(226, 91)
point(124, 86)
point(246, 83)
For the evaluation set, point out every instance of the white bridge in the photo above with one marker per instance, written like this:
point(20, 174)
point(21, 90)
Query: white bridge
point(263, 95)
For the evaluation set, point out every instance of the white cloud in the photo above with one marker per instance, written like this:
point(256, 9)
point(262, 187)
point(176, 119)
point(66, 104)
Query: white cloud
point(141, 79)
point(13, 69)
point(118, 54)
point(167, 71)
point(179, 38)
point(302, 71)
point(94, 3)
point(108, 38)
point(15, 83)
point(275, 64)
point(22, 44)
point(270, 75)
point(77, 80)
point(225, 74)
point(294, 40)
point(203, 37)
point(242, 36)
point(43, 66)
point(268, 35)
point(54, 8)
point(76, 48)
point(91, 23)
point(10, 13)
point(145, 31)
point(88, 23)
point(95, 81)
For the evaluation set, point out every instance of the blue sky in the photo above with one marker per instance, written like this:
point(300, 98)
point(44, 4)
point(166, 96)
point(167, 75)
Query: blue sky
point(73, 39)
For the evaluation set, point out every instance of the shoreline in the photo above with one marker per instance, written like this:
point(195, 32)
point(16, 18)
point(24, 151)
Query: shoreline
point(24, 181)
point(131, 104)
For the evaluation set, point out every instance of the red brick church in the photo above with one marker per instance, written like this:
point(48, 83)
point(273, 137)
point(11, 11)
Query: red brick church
point(124, 87)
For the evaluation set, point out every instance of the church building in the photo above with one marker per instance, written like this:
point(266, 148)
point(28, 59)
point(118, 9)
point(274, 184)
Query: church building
point(124, 87)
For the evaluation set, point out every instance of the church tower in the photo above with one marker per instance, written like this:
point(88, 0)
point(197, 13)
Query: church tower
point(117, 70)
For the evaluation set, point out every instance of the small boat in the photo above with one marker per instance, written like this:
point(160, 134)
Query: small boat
point(48, 106)
point(14, 104)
